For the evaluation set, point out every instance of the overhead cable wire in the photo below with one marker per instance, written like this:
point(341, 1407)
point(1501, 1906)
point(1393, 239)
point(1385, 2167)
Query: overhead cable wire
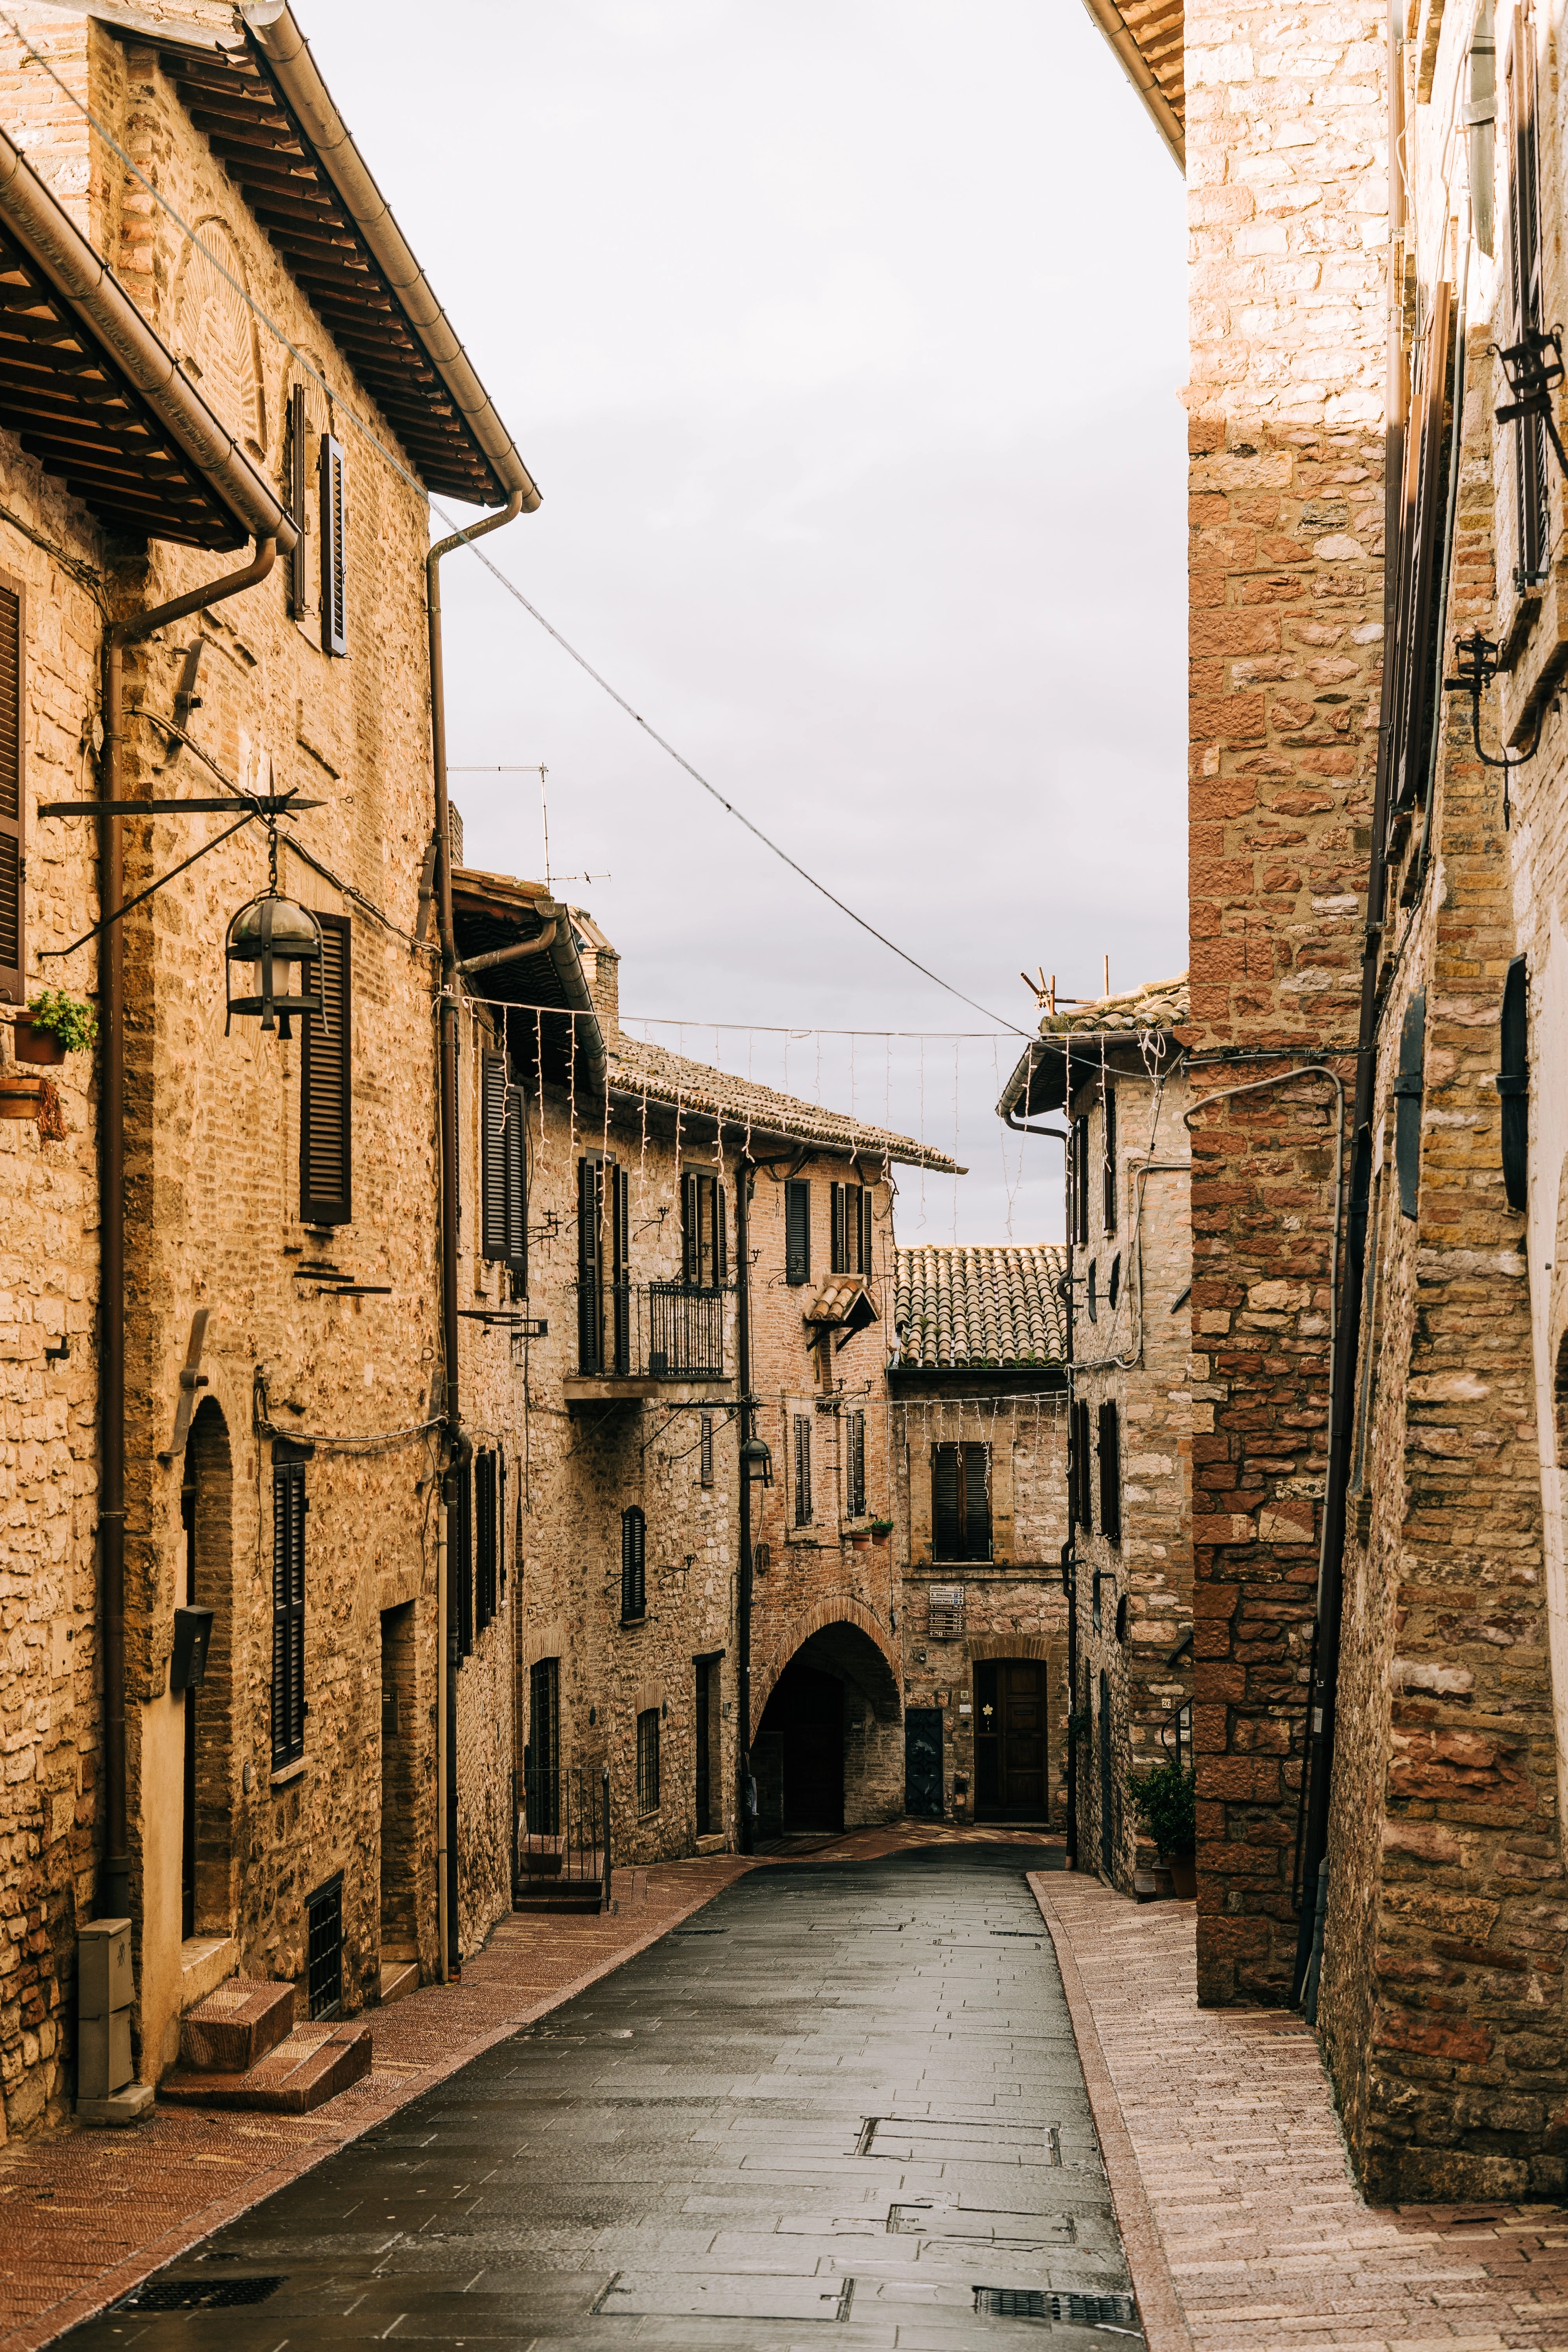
point(462, 533)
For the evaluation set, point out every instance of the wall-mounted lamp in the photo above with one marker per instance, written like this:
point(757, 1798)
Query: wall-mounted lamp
point(757, 1463)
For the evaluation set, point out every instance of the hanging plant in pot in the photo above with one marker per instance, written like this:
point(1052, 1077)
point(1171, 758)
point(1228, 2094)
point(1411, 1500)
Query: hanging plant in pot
point(53, 1025)
point(1167, 1800)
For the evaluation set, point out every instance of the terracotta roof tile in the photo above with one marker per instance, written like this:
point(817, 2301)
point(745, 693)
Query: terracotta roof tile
point(969, 1309)
point(644, 1068)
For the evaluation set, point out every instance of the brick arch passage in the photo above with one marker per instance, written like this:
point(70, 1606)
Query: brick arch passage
point(842, 1615)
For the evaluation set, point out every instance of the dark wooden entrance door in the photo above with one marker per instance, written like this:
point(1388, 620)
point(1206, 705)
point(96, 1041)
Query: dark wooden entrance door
point(1010, 1741)
point(922, 1762)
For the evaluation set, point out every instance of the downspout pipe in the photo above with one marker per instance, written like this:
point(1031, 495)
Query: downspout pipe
point(114, 1885)
point(447, 1083)
point(1319, 1760)
point(745, 1818)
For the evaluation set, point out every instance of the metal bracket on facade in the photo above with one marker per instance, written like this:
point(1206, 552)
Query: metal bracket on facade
point(191, 1380)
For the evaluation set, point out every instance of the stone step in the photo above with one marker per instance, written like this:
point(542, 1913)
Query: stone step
point(313, 2065)
point(237, 2025)
point(398, 1978)
point(576, 1895)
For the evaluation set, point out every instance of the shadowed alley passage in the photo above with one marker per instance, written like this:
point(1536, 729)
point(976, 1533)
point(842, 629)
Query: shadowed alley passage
point(843, 2095)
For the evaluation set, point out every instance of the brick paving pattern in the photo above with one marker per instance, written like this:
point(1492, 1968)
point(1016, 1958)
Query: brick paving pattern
point(1243, 2163)
point(84, 2215)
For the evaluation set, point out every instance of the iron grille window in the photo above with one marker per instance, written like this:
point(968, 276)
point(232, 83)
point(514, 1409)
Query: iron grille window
point(487, 1516)
point(335, 548)
point(703, 1239)
point(855, 1465)
point(324, 1949)
point(634, 1565)
point(13, 799)
point(648, 1760)
point(705, 1455)
point(1078, 1471)
point(798, 1231)
point(1109, 1115)
point(802, 1471)
point(851, 1228)
point(326, 1188)
point(1110, 1472)
point(503, 1169)
point(460, 1539)
point(288, 1507)
point(961, 1502)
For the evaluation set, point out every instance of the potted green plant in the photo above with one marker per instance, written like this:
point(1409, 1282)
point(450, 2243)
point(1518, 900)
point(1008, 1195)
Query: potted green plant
point(1167, 1800)
point(53, 1025)
point(880, 1530)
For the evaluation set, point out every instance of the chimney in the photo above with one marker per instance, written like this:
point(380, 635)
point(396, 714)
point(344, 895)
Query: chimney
point(606, 985)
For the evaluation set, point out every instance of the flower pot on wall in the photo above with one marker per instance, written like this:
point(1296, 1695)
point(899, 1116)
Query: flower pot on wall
point(1183, 1869)
point(880, 1535)
point(31, 1044)
point(20, 1094)
point(859, 1538)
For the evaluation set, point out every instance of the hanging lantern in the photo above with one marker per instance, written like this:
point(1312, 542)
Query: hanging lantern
point(270, 934)
point(757, 1463)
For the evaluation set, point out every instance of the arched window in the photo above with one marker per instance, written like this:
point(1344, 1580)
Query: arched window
point(634, 1569)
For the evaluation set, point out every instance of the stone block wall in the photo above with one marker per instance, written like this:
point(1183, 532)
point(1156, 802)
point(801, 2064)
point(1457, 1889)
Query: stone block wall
point(1287, 171)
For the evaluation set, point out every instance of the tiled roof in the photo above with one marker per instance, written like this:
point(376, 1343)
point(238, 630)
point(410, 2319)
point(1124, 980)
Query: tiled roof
point(840, 1296)
point(970, 1308)
point(1158, 1004)
point(642, 1068)
point(1150, 38)
point(1038, 1081)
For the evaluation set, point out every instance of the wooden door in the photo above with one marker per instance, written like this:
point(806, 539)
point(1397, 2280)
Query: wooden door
point(1010, 1741)
point(922, 1762)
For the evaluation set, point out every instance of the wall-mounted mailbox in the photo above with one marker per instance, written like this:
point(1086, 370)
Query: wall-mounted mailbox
point(193, 1631)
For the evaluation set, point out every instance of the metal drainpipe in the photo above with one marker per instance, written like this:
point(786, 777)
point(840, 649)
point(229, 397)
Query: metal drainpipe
point(1319, 1756)
point(745, 1824)
point(114, 1886)
point(447, 1758)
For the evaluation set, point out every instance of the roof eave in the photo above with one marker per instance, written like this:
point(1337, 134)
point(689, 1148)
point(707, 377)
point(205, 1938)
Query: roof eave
point(1139, 72)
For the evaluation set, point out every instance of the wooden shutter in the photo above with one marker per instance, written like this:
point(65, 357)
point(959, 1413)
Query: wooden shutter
point(460, 1540)
point(798, 1231)
point(326, 1192)
point(802, 1504)
point(517, 1184)
point(946, 1527)
point(334, 549)
point(299, 500)
point(500, 1528)
point(838, 1231)
point(857, 1466)
point(866, 1260)
point(1416, 653)
point(976, 1502)
point(1513, 1083)
point(590, 1273)
point(485, 1528)
point(721, 1236)
point(691, 1235)
point(633, 1563)
point(1109, 1120)
point(1409, 1087)
point(288, 1613)
point(493, 1189)
point(1082, 1489)
point(1531, 480)
point(13, 798)
point(1079, 1204)
point(621, 1293)
point(1109, 1474)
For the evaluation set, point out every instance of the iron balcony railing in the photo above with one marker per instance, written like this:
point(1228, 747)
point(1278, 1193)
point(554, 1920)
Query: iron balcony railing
point(650, 1330)
point(564, 1833)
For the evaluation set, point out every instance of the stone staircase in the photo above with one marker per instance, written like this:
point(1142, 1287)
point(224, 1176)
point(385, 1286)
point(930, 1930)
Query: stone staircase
point(544, 1888)
point(240, 2048)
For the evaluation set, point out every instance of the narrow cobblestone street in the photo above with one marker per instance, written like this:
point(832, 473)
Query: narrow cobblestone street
point(844, 2093)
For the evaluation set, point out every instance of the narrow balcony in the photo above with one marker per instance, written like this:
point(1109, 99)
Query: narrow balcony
point(635, 1338)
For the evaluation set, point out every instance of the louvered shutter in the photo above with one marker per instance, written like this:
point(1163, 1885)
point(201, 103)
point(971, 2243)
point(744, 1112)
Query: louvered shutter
point(590, 1295)
point(460, 1540)
point(288, 1613)
point(484, 1532)
point(798, 1231)
point(1109, 1474)
point(857, 1466)
point(721, 1236)
point(493, 1109)
point(1082, 1491)
point(866, 1230)
point(516, 1180)
point(500, 1530)
point(1408, 1088)
point(1513, 1083)
point(804, 1501)
point(976, 1502)
point(690, 1232)
point(838, 1246)
point(946, 1528)
point(634, 1560)
point(1109, 1121)
point(621, 1293)
point(326, 1192)
point(299, 500)
point(335, 548)
point(1417, 649)
point(13, 799)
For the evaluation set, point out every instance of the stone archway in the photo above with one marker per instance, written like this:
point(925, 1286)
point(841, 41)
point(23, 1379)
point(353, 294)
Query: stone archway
point(828, 1752)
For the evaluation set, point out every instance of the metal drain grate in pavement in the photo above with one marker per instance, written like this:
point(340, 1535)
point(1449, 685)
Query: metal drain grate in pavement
point(1118, 2311)
point(198, 2295)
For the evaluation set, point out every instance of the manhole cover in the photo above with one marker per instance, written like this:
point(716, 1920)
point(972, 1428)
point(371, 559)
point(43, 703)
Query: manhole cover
point(198, 2295)
point(1118, 2311)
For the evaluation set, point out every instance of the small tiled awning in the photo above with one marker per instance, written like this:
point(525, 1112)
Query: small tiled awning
point(844, 1302)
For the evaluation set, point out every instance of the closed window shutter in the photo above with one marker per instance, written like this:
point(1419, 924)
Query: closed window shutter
point(493, 1109)
point(334, 549)
point(1513, 1083)
point(620, 1226)
point(13, 802)
point(866, 1261)
point(300, 595)
point(590, 1300)
point(1111, 1160)
point(857, 1466)
point(1109, 1474)
point(803, 1501)
point(326, 1192)
point(946, 1527)
point(721, 1236)
point(516, 1180)
point(838, 1246)
point(1082, 1489)
point(798, 1231)
point(288, 1613)
point(485, 1518)
point(1408, 1089)
point(633, 1563)
point(976, 1502)
point(690, 1238)
point(463, 1531)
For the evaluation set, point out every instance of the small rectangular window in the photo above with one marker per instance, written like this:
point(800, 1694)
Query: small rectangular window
point(1110, 1474)
point(855, 1465)
point(705, 1450)
point(647, 1761)
point(1110, 1122)
point(13, 797)
point(702, 1234)
point(335, 548)
point(798, 1231)
point(502, 1210)
point(803, 1512)
point(326, 1086)
point(961, 1502)
point(324, 1949)
point(288, 1613)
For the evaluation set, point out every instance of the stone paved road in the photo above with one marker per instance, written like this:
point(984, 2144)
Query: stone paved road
point(842, 2098)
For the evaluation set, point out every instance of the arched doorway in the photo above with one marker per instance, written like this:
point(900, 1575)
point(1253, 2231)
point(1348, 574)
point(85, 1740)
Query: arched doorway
point(827, 1753)
point(206, 1494)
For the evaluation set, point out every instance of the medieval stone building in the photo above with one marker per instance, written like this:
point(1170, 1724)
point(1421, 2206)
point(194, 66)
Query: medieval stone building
point(979, 1417)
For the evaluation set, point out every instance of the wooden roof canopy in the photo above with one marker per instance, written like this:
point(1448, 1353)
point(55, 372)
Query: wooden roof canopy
point(232, 97)
point(73, 409)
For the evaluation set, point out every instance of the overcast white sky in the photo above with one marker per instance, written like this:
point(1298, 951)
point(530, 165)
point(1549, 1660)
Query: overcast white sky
point(844, 338)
